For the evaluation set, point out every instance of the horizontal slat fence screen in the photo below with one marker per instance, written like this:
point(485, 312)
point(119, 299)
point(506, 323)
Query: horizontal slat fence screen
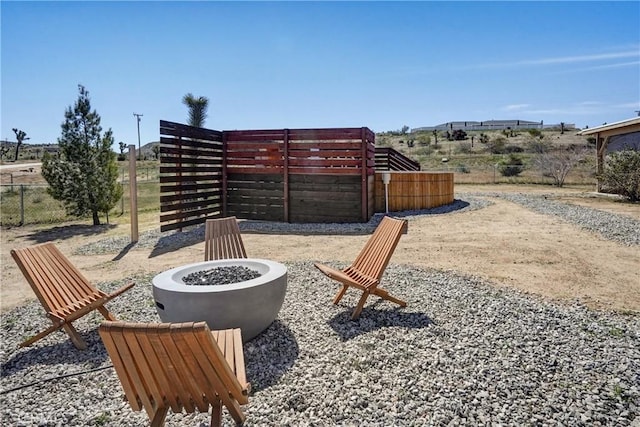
point(300, 175)
point(290, 175)
point(414, 190)
point(191, 175)
point(392, 160)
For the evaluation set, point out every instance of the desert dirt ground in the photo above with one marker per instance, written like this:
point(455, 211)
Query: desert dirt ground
point(505, 243)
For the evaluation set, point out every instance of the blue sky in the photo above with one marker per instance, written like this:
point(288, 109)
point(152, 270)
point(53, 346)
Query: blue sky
point(272, 65)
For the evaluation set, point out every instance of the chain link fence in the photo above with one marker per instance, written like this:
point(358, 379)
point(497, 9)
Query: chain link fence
point(22, 204)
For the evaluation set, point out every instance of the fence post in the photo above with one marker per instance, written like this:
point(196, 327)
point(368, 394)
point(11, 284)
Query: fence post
point(21, 204)
point(133, 191)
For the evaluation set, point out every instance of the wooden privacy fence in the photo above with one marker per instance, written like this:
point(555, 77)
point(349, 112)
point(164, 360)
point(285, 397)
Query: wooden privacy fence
point(191, 175)
point(414, 190)
point(286, 175)
point(391, 160)
point(300, 175)
point(290, 175)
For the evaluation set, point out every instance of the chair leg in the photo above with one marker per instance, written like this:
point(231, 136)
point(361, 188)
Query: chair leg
point(159, 417)
point(106, 313)
point(340, 294)
point(360, 306)
point(41, 335)
point(216, 413)
point(74, 336)
point(385, 295)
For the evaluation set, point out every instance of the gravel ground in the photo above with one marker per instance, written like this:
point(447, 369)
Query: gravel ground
point(609, 226)
point(462, 352)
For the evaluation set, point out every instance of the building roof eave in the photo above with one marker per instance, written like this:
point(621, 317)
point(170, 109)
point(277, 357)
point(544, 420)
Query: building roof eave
point(611, 126)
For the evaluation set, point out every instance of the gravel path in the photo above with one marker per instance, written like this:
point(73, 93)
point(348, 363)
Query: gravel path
point(620, 228)
point(462, 353)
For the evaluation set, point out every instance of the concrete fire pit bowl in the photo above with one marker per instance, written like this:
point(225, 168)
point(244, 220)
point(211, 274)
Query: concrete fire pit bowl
point(251, 305)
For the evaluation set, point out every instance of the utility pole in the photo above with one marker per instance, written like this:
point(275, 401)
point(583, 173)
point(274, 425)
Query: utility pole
point(139, 150)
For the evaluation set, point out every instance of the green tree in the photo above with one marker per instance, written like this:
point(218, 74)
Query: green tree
point(83, 174)
point(197, 109)
point(621, 174)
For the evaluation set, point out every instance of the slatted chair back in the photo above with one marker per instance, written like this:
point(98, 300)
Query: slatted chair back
point(182, 366)
point(56, 282)
point(223, 239)
point(64, 292)
point(375, 255)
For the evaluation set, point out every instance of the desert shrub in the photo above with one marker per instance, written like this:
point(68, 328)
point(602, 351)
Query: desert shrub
point(512, 165)
point(424, 151)
point(621, 174)
point(462, 168)
point(463, 148)
point(497, 145)
point(557, 164)
point(535, 133)
point(459, 135)
point(424, 139)
point(538, 145)
point(513, 149)
point(591, 140)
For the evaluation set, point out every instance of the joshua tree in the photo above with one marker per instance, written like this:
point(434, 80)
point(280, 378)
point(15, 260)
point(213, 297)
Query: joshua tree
point(20, 136)
point(197, 109)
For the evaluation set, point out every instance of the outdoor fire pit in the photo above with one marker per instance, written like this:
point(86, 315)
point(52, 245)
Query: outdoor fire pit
point(251, 305)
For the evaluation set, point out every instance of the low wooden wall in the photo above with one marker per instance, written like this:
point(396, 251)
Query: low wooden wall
point(414, 190)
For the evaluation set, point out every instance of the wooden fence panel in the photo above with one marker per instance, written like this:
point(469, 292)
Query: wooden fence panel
point(255, 196)
point(386, 158)
point(325, 198)
point(414, 190)
point(191, 174)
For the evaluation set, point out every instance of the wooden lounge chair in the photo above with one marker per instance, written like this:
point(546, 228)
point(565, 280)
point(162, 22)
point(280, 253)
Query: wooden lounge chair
point(178, 366)
point(366, 271)
point(222, 239)
point(63, 291)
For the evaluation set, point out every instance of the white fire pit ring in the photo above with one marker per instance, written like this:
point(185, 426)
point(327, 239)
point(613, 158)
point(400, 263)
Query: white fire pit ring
point(251, 305)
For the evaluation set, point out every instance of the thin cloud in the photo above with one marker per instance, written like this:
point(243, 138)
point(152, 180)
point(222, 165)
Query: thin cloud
point(600, 67)
point(582, 58)
point(515, 107)
point(627, 105)
point(585, 108)
point(635, 53)
point(590, 103)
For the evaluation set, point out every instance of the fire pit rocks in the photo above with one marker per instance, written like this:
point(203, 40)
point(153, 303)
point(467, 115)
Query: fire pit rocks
point(251, 305)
